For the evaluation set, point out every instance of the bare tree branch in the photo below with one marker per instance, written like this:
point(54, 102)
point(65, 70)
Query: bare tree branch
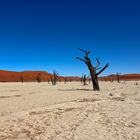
point(82, 50)
point(56, 73)
point(81, 59)
point(86, 52)
point(103, 69)
point(98, 63)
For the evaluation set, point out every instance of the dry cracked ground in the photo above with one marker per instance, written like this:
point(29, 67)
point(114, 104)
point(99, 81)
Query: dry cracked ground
point(33, 111)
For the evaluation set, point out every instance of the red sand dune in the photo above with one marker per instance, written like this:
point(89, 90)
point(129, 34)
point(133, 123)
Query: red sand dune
point(122, 77)
point(29, 76)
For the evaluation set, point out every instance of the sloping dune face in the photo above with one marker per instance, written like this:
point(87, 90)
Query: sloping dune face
point(32, 111)
point(8, 76)
point(132, 76)
point(122, 77)
point(29, 76)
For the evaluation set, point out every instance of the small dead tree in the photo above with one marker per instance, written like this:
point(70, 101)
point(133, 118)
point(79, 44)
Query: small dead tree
point(93, 69)
point(54, 78)
point(118, 77)
point(111, 79)
point(38, 78)
point(84, 80)
point(48, 81)
point(59, 79)
point(21, 79)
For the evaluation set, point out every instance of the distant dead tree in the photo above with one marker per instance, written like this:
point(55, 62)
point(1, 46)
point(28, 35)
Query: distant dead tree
point(54, 78)
point(38, 78)
point(21, 79)
point(111, 79)
point(84, 80)
point(48, 81)
point(93, 69)
point(59, 79)
point(118, 77)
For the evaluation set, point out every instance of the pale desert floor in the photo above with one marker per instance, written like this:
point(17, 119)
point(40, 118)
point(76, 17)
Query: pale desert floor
point(32, 111)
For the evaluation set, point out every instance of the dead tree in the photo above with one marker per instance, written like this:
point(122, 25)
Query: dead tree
point(118, 77)
point(54, 78)
point(59, 79)
point(48, 81)
point(84, 80)
point(21, 79)
point(38, 78)
point(93, 69)
point(111, 79)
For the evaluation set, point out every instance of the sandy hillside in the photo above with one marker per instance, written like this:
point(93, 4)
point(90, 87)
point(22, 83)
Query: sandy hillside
point(32, 111)
point(31, 76)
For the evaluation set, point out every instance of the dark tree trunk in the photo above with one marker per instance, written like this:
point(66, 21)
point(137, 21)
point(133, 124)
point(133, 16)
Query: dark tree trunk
point(22, 80)
point(38, 78)
point(112, 80)
point(84, 80)
point(54, 79)
point(118, 77)
point(94, 79)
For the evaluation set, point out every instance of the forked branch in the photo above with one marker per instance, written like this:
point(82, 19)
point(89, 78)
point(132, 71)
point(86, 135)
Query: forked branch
point(98, 63)
point(86, 52)
point(81, 59)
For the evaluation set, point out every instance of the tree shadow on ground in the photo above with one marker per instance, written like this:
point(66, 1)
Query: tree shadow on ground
point(76, 89)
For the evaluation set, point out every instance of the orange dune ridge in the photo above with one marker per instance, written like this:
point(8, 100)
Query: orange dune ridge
point(122, 77)
point(30, 76)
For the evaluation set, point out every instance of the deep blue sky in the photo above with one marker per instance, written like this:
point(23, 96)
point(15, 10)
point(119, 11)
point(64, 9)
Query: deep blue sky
point(46, 34)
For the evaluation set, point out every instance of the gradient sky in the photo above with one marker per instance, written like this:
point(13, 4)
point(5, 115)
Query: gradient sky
point(46, 35)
